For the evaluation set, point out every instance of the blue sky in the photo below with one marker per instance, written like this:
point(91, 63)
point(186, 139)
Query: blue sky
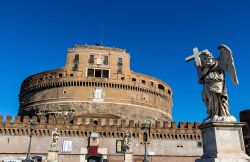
point(34, 36)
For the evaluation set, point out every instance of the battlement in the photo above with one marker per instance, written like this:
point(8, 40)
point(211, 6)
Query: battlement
point(105, 127)
point(82, 121)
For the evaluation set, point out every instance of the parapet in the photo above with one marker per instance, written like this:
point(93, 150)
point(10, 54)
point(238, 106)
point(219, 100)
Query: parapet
point(19, 125)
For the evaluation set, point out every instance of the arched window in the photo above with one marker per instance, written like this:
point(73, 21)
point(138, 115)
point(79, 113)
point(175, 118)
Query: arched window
point(161, 87)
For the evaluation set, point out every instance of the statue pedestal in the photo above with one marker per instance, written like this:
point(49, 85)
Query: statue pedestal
point(52, 156)
point(223, 142)
point(128, 157)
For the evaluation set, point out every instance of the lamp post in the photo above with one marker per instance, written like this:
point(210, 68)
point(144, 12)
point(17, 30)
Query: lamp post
point(31, 127)
point(145, 128)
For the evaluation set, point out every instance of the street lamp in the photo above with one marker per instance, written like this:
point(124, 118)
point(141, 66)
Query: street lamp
point(145, 128)
point(31, 127)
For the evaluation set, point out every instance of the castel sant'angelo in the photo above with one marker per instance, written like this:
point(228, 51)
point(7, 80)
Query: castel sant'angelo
point(92, 101)
point(96, 82)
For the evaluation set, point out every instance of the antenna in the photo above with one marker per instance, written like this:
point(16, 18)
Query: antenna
point(102, 36)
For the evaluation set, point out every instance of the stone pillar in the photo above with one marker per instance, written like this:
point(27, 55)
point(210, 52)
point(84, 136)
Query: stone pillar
point(223, 142)
point(52, 156)
point(128, 157)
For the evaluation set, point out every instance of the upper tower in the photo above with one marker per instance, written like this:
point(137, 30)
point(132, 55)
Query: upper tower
point(96, 82)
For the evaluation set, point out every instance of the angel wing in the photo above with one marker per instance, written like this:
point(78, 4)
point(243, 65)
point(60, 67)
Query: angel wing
point(226, 62)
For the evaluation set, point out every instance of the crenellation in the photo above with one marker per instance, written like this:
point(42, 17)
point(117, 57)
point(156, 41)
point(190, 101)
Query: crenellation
point(103, 122)
point(173, 125)
point(26, 119)
point(8, 119)
point(190, 125)
point(111, 122)
point(99, 122)
point(107, 127)
point(17, 120)
point(43, 119)
point(51, 119)
point(131, 123)
point(86, 121)
point(75, 121)
point(158, 124)
point(196, 125)
point(59, 120)
point(123, 123)
point(182, 125)
point(165, 124)
point(34, 119)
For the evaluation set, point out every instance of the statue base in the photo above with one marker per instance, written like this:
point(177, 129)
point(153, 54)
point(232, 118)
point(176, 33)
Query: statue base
point(223, 142)
point(128, 157)
point(52, 156)
point(217, 118)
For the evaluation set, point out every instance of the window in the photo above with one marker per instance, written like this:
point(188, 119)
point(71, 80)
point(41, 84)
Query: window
point(119, 69)
point(161, 87)
point(199, 144)
point(66, 146)
point(90, 72)
point(133, 80)
point(75, 67)
point(151, 83)
point(120, 61)
point(76, 60)
point(98, 73)
point(119, 144)
point(106, 60)
point(105, 73)
point(91, 59)
point(143, 81)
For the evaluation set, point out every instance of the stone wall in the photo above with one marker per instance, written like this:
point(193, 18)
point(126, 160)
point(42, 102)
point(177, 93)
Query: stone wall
point(245, 117)
point(167, 141)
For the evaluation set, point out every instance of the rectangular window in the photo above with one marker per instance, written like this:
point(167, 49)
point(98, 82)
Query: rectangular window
point(75, 68)
point(199, 144)
point(98, 73)
point(91, 59)
point(66, 146)
point(119, 146)
point(106, 60)
point(90, 72)
point(76, 60)
point(120, 61)
point(119, 69)
point(105, 73)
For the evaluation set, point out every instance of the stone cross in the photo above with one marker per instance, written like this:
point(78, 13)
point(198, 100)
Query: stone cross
point(196, 56)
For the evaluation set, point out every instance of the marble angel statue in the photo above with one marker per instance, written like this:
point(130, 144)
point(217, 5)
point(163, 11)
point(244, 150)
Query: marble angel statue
point(211, 73)
point(55, 137)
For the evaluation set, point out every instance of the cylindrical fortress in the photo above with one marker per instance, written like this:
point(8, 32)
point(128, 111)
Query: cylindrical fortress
point(96, 82)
